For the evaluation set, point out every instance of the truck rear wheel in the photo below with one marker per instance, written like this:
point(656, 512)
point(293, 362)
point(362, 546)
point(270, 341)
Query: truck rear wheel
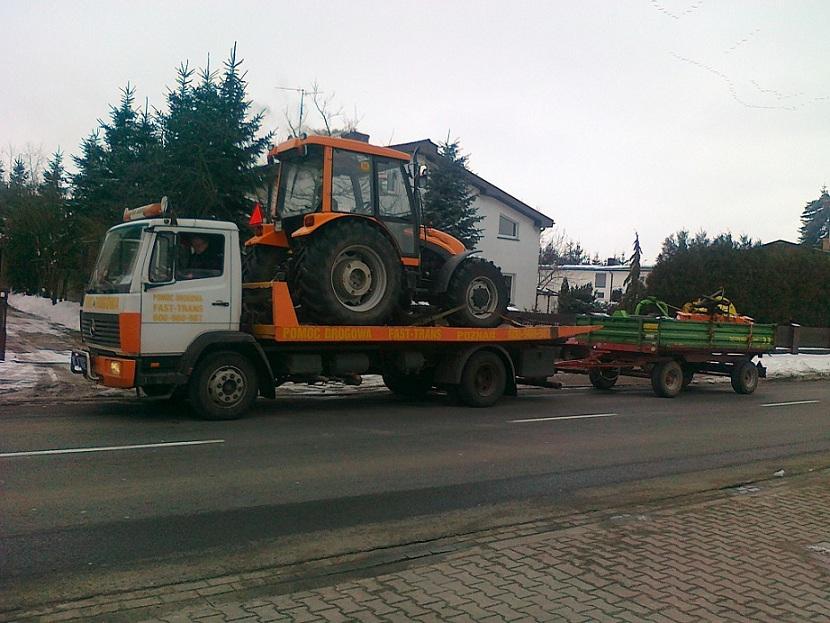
point(223, 386)
point(348, 274)
point(479, 288)
point(483, 379)
point(604, 378)
point(744, 377)
point(412, 386)
point(667, 379)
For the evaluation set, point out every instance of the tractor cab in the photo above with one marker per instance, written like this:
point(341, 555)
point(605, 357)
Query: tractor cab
point(321, 178)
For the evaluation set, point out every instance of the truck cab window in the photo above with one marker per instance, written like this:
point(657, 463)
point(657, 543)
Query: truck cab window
point(200, 256)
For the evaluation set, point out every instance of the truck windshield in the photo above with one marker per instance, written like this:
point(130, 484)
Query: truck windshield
point(114, 268)
point(301, 184)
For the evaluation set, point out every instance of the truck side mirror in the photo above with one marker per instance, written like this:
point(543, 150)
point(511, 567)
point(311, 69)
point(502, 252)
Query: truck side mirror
point(162, 261)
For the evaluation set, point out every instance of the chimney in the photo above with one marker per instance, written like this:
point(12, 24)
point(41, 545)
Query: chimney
point(354, 135)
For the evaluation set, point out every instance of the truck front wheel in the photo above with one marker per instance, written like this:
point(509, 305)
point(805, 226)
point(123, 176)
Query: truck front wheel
point(223, 386)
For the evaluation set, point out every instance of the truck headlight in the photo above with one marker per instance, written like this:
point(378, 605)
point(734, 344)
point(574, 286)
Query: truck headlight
point(115, 368)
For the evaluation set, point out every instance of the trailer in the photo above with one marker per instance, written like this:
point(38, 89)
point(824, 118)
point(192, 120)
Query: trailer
point(668, 351)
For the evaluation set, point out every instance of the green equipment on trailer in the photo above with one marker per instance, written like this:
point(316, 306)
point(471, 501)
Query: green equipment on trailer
point(668, 351)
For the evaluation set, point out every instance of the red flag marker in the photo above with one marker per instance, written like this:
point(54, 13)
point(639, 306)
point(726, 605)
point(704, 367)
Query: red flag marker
point(256, 216)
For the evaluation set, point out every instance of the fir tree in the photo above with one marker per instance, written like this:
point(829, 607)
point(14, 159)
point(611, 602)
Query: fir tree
point(20, 178)
point(815, 219)
point(635, 289)
point(54, 178)
point(448, 201)
point(212, 142)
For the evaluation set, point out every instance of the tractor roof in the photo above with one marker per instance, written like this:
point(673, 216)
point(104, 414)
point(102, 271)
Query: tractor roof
point(338, 143)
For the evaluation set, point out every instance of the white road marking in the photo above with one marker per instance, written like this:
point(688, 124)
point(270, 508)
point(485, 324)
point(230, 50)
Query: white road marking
point(794, 402)
point(168, 444)
point(563, 417)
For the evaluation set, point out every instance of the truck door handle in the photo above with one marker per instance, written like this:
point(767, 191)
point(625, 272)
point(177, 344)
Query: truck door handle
point(221, 303)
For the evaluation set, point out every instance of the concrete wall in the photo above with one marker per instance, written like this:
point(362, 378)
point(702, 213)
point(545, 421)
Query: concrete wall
point(517, 257)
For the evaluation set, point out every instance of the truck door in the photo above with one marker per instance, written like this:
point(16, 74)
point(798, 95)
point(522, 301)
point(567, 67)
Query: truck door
point(187, 289)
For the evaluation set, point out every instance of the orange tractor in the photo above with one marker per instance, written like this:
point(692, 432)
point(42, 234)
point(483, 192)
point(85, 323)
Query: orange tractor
point(345, 230)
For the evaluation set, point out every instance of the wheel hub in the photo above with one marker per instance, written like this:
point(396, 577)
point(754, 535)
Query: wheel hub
point(357, 278)
point(481, 297)
point(485, 380)
point(226, 386)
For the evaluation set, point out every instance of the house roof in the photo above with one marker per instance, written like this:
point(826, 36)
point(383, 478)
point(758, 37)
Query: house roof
point(781, 243)
point(429, 150)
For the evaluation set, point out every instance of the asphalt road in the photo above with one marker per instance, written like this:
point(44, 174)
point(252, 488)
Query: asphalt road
point(90, 485)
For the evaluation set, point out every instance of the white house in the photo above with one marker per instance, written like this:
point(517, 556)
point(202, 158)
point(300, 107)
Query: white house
point(603, 279)
point(510, 229)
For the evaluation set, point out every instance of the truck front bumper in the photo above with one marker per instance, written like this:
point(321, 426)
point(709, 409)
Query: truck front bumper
point(103, 369)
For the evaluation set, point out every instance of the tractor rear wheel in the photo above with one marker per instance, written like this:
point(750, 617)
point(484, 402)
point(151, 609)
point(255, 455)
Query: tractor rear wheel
point(348, 274)
point(480, 290)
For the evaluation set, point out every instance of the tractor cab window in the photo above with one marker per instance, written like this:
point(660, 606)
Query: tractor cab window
point(393, 195)
point(395, 204)
point(301, 184)
point(351, 183)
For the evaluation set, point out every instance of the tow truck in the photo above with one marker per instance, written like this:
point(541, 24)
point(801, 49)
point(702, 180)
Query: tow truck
point(150, 321)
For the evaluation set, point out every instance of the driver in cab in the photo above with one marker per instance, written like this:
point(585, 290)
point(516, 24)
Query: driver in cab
point(199, 256)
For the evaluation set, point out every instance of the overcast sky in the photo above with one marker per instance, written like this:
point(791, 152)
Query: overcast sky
point(609, 116)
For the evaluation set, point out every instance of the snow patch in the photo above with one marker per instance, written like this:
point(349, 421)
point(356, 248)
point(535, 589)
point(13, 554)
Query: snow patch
point(41, 357)
point(16, 376)
point(64, 313)
point(796, 366)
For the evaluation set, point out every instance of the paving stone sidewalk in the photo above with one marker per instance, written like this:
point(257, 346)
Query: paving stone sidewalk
point(756, 553)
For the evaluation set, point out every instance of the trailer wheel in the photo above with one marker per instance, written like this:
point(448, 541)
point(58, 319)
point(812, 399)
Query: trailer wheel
point(604, 378)
point(667, 379)
point(483, 379)
point(412, 386)
point(744, 377)
point(223, 386)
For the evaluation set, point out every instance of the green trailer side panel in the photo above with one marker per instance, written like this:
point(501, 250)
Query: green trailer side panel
point(669, 334)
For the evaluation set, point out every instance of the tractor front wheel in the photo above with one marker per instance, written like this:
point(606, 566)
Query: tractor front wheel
point(479, 289)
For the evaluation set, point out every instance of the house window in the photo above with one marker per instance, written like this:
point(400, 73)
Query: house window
point(600, 295)
point(508, 279)
point(508, 228)
point(599, 280)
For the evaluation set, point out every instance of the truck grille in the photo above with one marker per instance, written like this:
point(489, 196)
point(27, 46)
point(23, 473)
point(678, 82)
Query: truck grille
point(101, 329)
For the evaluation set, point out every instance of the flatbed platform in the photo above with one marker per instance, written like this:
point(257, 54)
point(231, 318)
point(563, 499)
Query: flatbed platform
point(286, 329)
